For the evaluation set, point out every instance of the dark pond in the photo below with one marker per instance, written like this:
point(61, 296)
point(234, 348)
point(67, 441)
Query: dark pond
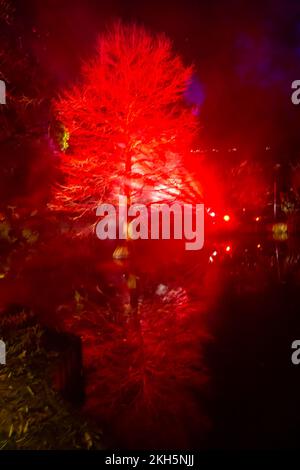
point(203, 359)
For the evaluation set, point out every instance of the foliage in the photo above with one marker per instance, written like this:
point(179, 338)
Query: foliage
point(248, 185)
point(126, 123)
point(25, 154)
point(32, 414)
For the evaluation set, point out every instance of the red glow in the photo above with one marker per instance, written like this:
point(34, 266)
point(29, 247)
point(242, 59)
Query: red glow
point(257, 219)
point(129, 130)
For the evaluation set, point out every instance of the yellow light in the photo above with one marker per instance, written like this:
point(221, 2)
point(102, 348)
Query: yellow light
point(257, 219)
point(228, 248)
point(64, 143)
point(226, 218)
point(131, 282)
point(280, 231)
point(280, 227)
point(121, 252)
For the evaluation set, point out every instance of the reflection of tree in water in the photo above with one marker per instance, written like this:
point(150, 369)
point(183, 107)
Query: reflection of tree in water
point(145, 372)
point(146, 380)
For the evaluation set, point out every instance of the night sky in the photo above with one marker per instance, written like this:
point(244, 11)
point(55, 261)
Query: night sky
point(246, 55)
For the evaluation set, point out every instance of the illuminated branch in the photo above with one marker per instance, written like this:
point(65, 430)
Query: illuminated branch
point(127, 123)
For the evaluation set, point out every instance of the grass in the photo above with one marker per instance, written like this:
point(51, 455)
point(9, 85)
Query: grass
point(32, 414)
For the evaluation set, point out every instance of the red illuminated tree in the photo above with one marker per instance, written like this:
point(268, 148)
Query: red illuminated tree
point(125, 127)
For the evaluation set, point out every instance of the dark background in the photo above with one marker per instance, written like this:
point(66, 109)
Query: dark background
point(246, 55)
